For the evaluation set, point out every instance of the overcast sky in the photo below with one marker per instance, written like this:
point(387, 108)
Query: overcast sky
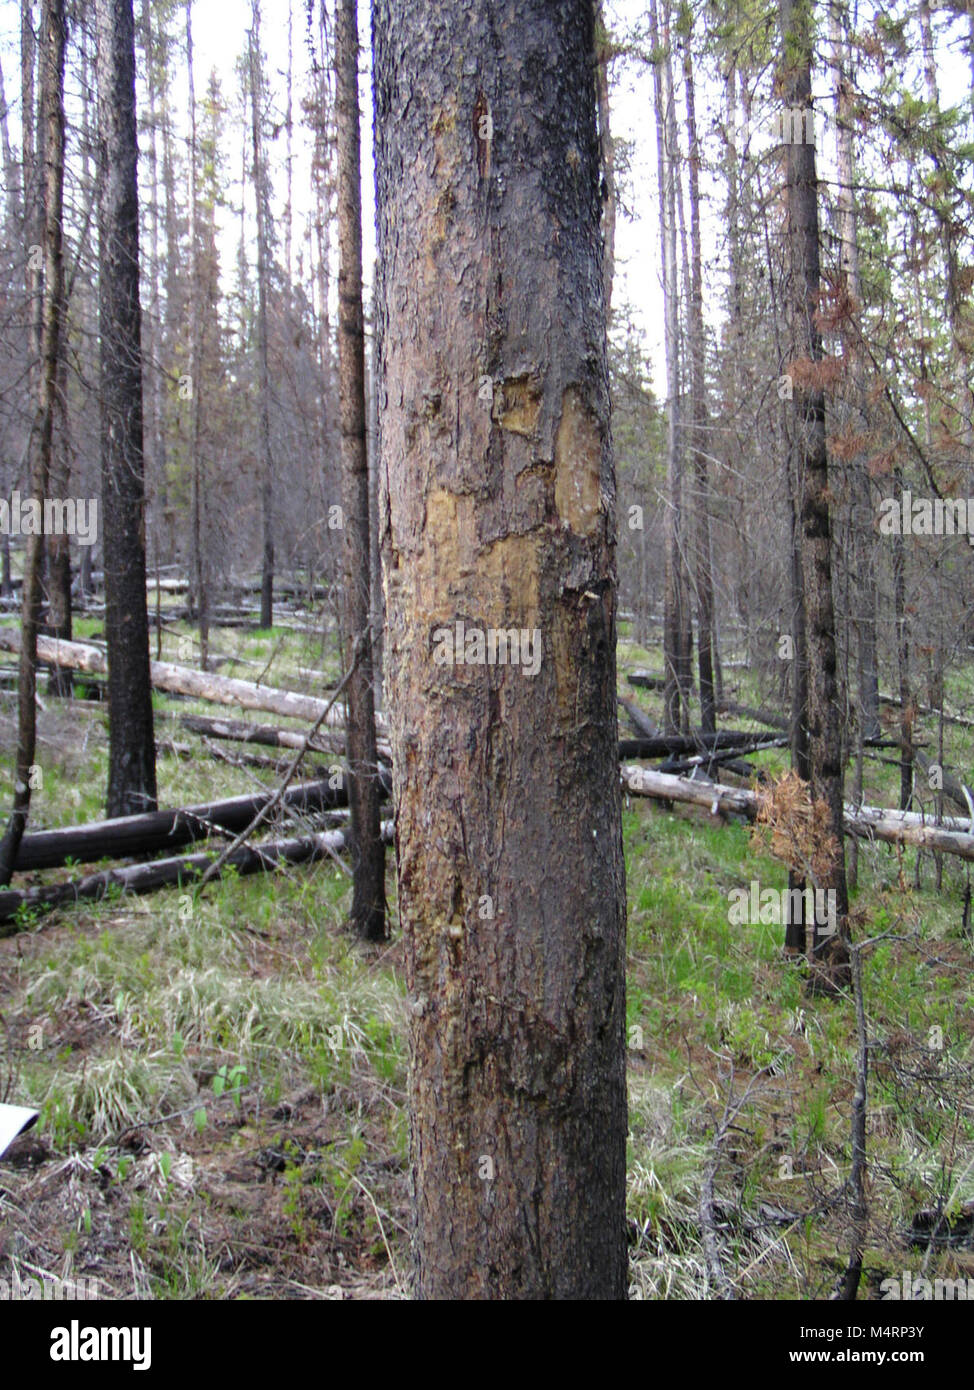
point(220, 28)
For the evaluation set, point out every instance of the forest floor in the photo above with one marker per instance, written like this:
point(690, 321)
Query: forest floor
point(222, 1077)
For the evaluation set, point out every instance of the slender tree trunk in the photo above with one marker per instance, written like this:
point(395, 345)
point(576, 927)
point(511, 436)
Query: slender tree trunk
point(368, 911)
point(498, 479)
point(52, 45)
point(907, 708)
point(58, 546)
point(131, 741)
point(607, 146)
point(672, 588)
point(13, 207)
point(264, 386)
point(963, 393)
point(157, 491)
point(199, 580)
point(702, 576)
point(812, 467)
point(33, 184)
point(866, 599)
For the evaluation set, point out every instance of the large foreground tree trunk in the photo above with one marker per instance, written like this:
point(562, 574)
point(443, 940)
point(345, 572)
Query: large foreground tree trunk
point(368, 911)
point(499, 507)
point(131, 742)
point(52, 44)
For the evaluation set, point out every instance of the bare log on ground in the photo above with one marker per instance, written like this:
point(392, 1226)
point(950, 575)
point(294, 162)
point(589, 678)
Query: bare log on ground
point(241, 731)
point(184, 680)
point(867, 822)
point(959, 719)
point(167, 873)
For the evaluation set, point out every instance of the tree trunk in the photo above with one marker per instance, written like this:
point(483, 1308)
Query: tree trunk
point(607, 146)
point(866, 600)
point(131, 741)
point(368, 911)
point(52, 45)
point(673, 624)
point(200, 587)
point(702, 576)
point(58, 546)
point(498, 479)
point(263, 369)
point(812, 467)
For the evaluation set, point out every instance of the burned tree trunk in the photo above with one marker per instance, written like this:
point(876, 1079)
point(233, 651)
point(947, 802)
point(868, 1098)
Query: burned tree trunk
point(811, 464)
point(52, 46)
point(131, 741)
point(368, 911)
point(498, 499)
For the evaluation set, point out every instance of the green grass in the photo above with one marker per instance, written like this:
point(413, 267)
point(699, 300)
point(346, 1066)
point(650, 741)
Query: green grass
point(201, 1018)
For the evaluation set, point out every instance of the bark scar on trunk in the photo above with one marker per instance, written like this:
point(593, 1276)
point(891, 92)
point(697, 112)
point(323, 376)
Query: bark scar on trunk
point(578, 465)
point(517, 405)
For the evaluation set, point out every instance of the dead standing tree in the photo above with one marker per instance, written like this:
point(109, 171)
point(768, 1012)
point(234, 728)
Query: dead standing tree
point(498, 508)
point(52, 44)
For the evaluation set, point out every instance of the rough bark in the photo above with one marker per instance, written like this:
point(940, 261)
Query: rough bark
point(52, 44)
point(498, 499)
point(812, 466)
point(131, 741)
point(367, 915)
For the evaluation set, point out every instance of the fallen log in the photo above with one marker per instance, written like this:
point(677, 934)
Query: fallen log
point(154, 831)
point(17, 907)
point(866, 822)
point(760, 716)
point(951, 788)
point(958, 719)
point(241, 731)
point(647, 680)
point(189, 752)
point(728, 757)
point(184, 680)
point(640, 721)
point(663, 745)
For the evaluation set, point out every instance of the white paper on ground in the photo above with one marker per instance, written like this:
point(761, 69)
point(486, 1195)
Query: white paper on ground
point(14, 1119)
